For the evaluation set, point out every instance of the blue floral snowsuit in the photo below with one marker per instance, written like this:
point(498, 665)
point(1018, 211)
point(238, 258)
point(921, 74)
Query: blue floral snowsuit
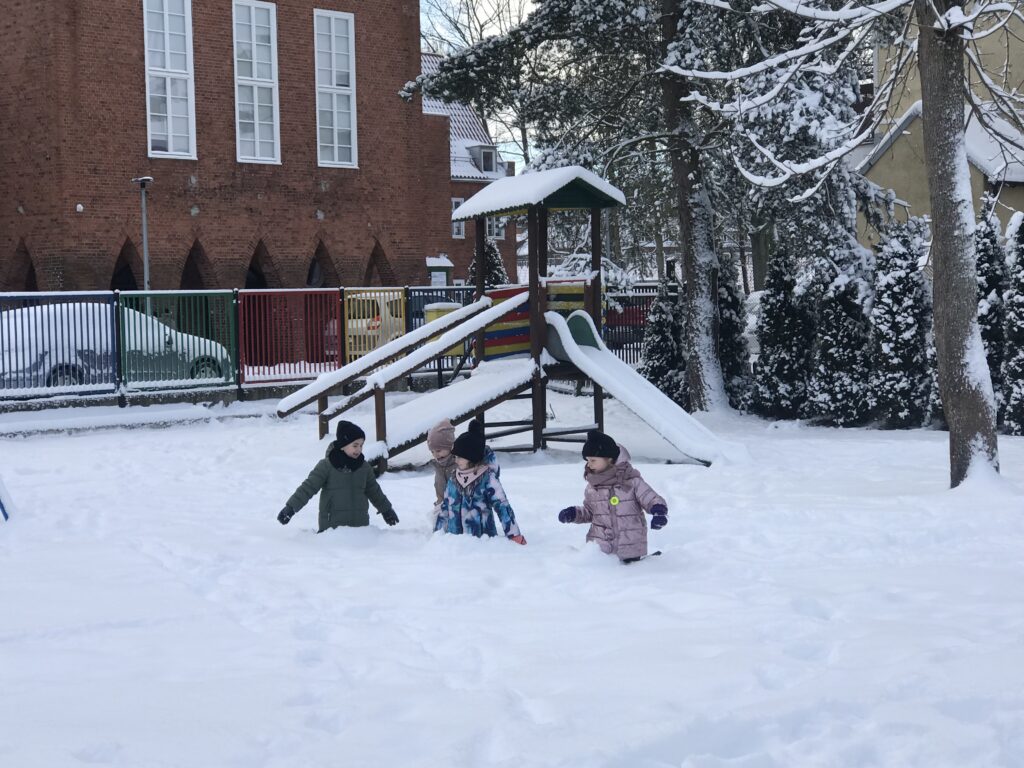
point(471, 509)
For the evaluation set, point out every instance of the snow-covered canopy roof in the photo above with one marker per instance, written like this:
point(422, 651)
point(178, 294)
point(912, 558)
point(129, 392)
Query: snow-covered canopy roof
point(465, 131)
point(569, 188)
point(438, 262)
point(997, 160)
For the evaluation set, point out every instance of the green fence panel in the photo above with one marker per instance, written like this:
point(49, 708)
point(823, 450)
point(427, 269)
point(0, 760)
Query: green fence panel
point(177, 338)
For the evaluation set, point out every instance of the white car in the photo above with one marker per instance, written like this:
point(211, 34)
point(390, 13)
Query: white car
point(72, 345)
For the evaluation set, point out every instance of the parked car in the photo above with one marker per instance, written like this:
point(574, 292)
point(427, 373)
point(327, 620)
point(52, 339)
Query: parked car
point(625, 323)
point(371, 320)
point(73, 345)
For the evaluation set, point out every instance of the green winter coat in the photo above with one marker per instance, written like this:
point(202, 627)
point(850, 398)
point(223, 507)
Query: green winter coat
point(345, 493)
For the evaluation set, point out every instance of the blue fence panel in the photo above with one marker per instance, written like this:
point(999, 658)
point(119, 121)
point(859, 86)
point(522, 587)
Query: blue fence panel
point(58, 343)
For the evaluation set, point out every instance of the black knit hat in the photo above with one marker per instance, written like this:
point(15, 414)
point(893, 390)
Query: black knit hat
point(348, 432)
point(599, 444)
point(470, 444)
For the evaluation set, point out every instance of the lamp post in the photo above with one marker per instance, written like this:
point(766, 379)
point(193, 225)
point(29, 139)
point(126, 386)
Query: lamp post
point(143, 181)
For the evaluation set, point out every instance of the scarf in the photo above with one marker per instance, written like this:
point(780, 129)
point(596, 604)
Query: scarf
point(466, 477)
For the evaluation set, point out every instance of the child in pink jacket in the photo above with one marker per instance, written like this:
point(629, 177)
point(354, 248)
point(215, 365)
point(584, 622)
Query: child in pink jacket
point(615, 501)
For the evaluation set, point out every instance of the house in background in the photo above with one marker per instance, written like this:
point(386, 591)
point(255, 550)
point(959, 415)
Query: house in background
point(281, 154)
point(475, 161)
point(894, 158)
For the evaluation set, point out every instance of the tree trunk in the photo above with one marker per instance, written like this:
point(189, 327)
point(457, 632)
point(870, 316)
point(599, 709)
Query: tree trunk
point(659, 242)
point(703, 368)
point(760, 248)
point(964, 381)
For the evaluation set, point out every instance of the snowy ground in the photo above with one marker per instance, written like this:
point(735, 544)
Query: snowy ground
point(831, 604)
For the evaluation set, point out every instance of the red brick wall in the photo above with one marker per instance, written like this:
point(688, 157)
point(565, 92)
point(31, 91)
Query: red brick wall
point(76, 133)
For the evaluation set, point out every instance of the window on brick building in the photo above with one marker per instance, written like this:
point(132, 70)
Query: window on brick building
point(257, 123)
point(495, 228)
point(170, 87)
point(458, 227)
point(335, 88)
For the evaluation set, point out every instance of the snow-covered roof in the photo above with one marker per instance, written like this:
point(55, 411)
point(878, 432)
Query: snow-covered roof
point(439, 262)
point(571, 187)
point(997, 160)
point(466, 131)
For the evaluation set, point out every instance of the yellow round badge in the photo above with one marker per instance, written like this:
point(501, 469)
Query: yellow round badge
point(614, 500)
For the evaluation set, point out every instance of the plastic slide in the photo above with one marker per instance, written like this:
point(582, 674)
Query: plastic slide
point(575, 340)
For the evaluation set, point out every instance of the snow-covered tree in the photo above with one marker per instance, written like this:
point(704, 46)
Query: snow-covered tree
point(784, 335)
point(991, 259)
point(900, 324)
point(942, 40)
point(837, 385)
point(732, 344)
point(1013, 354)
point(494, 267)
point(662, 362)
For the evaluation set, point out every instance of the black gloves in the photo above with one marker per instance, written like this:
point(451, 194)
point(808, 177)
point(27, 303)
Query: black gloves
point(567, 515)
point(285, 515)
point(389, 517)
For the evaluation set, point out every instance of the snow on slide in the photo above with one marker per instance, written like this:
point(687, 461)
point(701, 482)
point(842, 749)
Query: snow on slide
point(421, 355)
point(641, 397)
point(6, 505)
point(415, 418)
point(371, 360)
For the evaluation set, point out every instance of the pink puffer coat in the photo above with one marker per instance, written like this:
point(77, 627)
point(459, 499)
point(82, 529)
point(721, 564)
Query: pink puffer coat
point(618, 528)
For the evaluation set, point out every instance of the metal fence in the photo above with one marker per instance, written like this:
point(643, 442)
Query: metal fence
point(625, 319)
point(98, 342)
point(56, 343)
point(373, 317)
point(289, 335)
point(174, 339)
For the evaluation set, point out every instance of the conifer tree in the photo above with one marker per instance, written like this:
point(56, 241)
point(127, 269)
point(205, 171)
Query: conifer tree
point(662, 361)
point(901, 381)
point(783, 334)
point(732, 344)
point(1013, 353)
point(991, 272)
point(837, 384)
point(494, 267)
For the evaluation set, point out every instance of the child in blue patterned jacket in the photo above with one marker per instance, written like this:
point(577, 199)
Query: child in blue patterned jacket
point(474, 493)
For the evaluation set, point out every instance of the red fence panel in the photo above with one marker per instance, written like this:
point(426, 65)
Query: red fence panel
point(289, 335)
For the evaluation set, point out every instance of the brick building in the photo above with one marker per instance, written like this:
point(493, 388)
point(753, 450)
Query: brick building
point(281, 153)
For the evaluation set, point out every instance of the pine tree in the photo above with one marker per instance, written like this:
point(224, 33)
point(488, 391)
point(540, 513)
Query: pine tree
point(494, 267)
point(901, 380)
point(991, 269)
point(732, 344)
point(1013, 353)
point(837, 385)
point(783, 334)
point(662, 361)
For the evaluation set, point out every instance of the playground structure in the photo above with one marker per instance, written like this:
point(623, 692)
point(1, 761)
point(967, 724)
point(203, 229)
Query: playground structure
point(544, 345)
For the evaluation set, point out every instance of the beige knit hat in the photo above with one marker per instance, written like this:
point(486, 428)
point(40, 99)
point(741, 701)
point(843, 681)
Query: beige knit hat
point(441, 436)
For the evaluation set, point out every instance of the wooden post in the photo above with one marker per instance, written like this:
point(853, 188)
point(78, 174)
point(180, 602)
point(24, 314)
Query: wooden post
point(321, 406)
point(536, 326)
point(381, 415)
point(595, 266)
point(480, 223)
point(599, 407)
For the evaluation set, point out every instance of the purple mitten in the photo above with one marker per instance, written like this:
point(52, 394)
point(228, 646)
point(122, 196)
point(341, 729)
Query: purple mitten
point(567, 515)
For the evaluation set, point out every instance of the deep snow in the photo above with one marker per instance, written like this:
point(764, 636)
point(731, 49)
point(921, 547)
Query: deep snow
point(828, 604)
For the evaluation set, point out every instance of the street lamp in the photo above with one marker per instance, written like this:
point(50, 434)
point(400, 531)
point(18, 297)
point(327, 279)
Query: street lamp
point(143, 181)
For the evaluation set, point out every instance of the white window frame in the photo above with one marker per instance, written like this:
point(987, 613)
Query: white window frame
point(458, 227)
point(188, 74)
point(335, 90)
point(255, 83)
point(493, 155)
point(496, 227)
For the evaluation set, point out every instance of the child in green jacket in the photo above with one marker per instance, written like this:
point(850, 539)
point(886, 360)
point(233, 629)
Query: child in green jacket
point(346, 484)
